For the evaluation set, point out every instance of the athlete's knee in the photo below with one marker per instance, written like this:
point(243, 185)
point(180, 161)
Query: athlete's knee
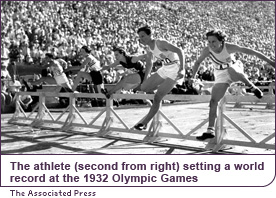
point(144, 87)
point(158, 97)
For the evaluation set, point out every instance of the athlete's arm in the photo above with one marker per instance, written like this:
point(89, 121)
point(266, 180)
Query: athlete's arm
point(85, 63)
point(149, 64)
point(137, 58)
point(117, 62)
point(203, 55)
point(38, 82)
point(170, 47)
point(232, 48)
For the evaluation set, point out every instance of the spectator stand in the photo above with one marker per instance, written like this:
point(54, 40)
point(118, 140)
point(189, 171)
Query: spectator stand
point(154, 133)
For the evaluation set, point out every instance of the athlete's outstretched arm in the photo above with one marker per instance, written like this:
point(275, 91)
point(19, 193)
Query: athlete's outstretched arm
point(149, 64)
point(170, 47)
point(137, 58)
point(249, 51)
point(110, 66)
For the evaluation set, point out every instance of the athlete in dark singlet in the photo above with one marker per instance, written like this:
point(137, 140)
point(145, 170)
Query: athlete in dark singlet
point(131, 81)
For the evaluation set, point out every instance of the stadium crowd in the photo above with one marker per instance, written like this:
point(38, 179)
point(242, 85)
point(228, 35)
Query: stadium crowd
point(30, 29)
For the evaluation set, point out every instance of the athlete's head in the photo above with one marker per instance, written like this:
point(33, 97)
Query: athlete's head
point(216, 39)
point(85, 50)
point(145, 29)
point(49, 58)
point(221, 36)
point(144, 34)
point(119, 52)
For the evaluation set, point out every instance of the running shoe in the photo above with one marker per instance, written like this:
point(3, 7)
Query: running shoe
point(107, 95)
point(140, 126)
point(208, 135)
point(105, 92)
point(257, 92)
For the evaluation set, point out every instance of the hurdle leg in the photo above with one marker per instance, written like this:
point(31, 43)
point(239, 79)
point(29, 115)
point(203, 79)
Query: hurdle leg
point(154, 129)
point(17, 110)
point(105, 129)
point(72, 115)
point(215, 144)
point(41, 112)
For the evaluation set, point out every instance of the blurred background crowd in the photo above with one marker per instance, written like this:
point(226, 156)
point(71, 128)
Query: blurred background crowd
point(30, 29)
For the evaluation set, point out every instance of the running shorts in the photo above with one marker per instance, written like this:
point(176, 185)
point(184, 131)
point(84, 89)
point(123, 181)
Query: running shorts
point(169, 71)
point(97, 77)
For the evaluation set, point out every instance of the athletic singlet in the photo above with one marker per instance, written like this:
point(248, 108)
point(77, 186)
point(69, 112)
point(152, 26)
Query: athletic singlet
point(56, 68)
point(167, 57)
point(93, 64)
point(222, 60)
point(62, 62)
point(136, 67)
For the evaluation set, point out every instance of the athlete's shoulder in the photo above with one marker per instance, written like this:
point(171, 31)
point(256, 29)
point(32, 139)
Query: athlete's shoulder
point(93, 58)
point(55, 62)
point(161, 42)
point(231, 47)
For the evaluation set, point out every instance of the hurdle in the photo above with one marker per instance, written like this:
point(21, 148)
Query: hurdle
point(45, 119)
point(268, 105)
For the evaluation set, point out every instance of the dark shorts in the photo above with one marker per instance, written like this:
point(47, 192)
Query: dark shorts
point(97, 77)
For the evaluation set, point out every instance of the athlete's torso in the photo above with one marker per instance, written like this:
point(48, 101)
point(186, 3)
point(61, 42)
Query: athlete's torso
point(137, 67)
point(93, 64)
point(167, 57)
point(222, 58)
point(56, 68)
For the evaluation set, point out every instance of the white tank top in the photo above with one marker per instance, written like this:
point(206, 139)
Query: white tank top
point(56, 68)
point(92, 65)
point(222, 60)
point(167, 57)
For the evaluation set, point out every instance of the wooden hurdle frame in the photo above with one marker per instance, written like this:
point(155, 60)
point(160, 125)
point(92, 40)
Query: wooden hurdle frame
point(268, 105)
point(153, 134)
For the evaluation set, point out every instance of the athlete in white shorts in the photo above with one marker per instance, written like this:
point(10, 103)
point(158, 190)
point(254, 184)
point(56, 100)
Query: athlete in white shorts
point(227, 70)
point(166, 77)
point(59, 75)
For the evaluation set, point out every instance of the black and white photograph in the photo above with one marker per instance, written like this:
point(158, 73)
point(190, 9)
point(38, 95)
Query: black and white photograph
point(137, 80)
point(115, 77)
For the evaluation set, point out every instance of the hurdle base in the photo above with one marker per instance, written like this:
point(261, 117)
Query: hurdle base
point(153, 139)
point(105, 129)
point(238, 105)
point(68, 125)
point(13, 120)
point(270, 106)
point(37, 123)
point(212, 146)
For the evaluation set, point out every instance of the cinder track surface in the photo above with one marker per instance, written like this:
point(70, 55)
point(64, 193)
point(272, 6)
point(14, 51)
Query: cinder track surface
point(258, 122)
